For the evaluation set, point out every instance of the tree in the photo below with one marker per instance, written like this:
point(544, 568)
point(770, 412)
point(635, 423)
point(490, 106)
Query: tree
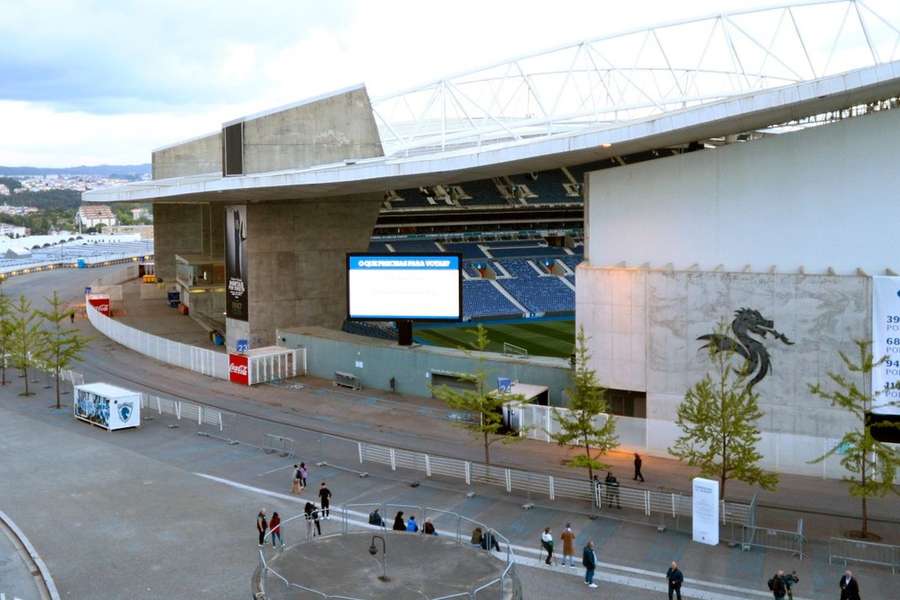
point(481, 401)
point(63, 345)
point(719, 417)
point(26, 338)
point(6, 316)
point(587, 401)
point(873, 464)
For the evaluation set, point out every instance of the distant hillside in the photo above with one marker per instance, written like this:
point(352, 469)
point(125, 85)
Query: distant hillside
point(97, 170)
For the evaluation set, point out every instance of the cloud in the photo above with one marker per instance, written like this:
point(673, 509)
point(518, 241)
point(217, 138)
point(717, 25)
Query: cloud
point(96, 81)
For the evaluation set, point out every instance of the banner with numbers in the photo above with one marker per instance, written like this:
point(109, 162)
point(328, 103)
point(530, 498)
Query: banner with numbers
point(886, 342)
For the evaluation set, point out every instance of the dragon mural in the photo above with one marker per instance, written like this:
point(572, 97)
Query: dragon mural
point(747, 321)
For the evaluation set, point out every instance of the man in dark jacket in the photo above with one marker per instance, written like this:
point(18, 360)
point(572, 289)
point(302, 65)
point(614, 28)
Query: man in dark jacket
point(589, 560)
point(849, 587)
point(777, 585)
point(675, 579)
point(638, 461)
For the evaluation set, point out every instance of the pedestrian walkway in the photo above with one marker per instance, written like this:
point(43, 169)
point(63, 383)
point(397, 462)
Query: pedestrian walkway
point(16, 580)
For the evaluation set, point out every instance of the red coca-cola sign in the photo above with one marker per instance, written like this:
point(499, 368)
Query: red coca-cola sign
point(101, 303)
point(239, 369)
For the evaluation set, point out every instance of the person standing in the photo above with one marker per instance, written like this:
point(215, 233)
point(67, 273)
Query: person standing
point(262, 526)
point(547, 544)
point(399, 524)
point(675, 579)
point(324, 499)
point(411, 525)
point(589, 560)
point(638, 461)
point(849, 587)
point(275, 529)
point(296, 488)
point(777, 585)
point(568, 540)
point(313, 527)
point(304, 473)
point(612, 490)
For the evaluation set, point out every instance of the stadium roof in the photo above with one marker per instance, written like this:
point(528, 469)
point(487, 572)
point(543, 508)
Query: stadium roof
point(643, 89)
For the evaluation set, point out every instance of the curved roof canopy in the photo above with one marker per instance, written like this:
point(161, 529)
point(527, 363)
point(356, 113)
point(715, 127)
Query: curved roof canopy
point(637, 90)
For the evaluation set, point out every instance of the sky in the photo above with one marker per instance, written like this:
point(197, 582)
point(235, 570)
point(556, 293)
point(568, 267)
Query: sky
point(92, 82)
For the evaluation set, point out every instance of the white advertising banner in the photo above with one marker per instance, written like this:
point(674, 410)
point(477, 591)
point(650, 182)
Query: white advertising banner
point(705, 514)
point(886, 342)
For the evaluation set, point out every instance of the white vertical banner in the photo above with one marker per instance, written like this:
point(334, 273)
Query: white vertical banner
point(705, 514)
point(886, 342)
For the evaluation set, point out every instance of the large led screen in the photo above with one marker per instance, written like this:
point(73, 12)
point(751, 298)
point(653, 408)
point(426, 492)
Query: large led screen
point(393, 287)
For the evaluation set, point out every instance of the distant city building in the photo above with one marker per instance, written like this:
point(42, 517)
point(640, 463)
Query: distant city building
point(13, 231)
point(4, 191)
point(92, 215)
point(141, 213)
point(17, 210)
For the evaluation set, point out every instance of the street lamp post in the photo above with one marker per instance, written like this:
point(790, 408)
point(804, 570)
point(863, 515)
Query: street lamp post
point(373, 550)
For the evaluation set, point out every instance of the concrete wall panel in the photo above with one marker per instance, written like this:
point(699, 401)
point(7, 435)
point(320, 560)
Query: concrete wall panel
point(791, 200)
point(202, 155)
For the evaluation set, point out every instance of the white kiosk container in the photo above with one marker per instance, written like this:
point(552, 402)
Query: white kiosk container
point(107, 406)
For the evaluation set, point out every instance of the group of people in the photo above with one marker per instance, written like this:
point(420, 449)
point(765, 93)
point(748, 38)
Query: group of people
point(410, 525)
point(588, 554)
point(269, 526)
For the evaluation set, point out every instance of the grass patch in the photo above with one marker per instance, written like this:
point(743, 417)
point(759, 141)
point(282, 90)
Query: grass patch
point(540, 338)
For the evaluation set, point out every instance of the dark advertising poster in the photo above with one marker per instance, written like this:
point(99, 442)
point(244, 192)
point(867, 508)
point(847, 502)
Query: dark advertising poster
point(236, 262)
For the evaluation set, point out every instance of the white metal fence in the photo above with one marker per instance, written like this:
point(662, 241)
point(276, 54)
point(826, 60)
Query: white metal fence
point(199, 360)
point(785, 453)
point(858, 551)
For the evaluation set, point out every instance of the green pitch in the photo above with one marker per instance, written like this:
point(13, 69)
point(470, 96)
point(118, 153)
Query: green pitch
point(540, 338)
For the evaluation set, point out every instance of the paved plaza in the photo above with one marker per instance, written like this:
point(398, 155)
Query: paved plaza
point(163, 512)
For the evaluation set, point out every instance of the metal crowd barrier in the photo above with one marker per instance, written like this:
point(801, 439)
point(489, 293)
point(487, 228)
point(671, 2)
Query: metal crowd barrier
point(774, 539)
point(859, 551)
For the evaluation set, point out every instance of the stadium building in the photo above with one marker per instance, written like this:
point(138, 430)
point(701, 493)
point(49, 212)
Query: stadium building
point(738, 169)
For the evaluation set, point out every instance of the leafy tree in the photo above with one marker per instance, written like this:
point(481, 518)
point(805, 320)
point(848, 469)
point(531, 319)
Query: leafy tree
point(719, 417)
point(487, 404)
point(26, 338)
point(63, 345)
point(587, 401)
point(6, 316)
point(873, 464)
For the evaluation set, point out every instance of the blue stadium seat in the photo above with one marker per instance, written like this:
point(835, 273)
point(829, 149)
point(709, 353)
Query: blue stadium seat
point(481, 299)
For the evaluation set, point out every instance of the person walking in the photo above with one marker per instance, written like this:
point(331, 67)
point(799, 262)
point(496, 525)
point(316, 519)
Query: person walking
point(262, 526)
point(399, 524)
point(489, 541)
point(589, 560)
point(638, 461)
point(675, 579)
point(777, 585)
point(411, 525)
point(275, 530)
point(304, 473)
point(325, 499)
point(313, 526)
point(568, 540)
point(547, 544)
point(612, 490)
point(428, 529)
point(849, 586)
point(296, 488)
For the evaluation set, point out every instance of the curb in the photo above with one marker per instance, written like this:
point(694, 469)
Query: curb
point(44, 572)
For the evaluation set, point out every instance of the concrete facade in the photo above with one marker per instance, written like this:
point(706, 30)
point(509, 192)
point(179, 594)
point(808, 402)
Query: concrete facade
point(788, 200)
point(186, 229)
point(296, 263)
point(335, 128)
point(376, 361)
point(644, 326)
point(194, 157)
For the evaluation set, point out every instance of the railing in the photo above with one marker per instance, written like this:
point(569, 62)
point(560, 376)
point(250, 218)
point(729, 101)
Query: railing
point(859, 551)
point(199, 360)
point(774, 539)
point(786, 453)
point(353, 519)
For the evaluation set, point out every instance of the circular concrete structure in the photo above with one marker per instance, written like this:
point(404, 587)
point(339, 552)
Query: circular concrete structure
point(418, 567)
